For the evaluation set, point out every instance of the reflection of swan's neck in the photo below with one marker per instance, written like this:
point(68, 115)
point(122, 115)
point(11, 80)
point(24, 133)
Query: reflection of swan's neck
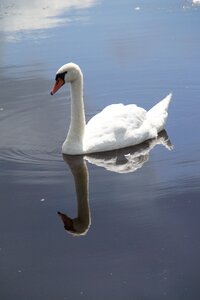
point(80, 224)
point(74, 138)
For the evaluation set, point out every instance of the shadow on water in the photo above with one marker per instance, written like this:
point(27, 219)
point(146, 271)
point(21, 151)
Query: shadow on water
point(121, 161)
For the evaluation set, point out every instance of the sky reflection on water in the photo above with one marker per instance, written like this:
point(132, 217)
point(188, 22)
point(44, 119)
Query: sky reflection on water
point(24, 17)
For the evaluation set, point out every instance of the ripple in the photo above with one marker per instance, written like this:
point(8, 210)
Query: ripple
point(32, 166)
point(33, 157)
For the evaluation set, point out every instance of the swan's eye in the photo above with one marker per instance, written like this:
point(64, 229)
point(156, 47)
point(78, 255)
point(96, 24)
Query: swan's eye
point(61, 75)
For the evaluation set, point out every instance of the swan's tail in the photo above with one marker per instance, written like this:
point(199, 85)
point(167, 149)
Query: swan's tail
point(161, 106)
point(157, 115)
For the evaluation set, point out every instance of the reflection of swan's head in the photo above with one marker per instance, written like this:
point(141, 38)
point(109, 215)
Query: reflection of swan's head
point(72, 226)
point(67, 73)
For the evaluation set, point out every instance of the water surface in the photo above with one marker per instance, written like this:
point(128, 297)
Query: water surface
point(142, 237)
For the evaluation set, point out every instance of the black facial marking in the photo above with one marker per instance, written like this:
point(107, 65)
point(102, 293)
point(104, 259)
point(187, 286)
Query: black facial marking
point(61, 75)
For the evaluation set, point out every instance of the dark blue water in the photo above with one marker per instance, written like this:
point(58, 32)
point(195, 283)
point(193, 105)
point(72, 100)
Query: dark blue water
point(141, 220)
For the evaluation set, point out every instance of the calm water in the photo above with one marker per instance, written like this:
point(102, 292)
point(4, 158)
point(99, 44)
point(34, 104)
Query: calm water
point(140, 213)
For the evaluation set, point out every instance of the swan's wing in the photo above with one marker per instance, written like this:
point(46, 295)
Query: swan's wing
point(117, 126)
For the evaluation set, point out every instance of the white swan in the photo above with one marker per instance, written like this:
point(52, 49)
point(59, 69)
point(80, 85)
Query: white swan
point(115, 127)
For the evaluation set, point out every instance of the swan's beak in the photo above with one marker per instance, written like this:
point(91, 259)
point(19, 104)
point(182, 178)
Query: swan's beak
point(57, 86)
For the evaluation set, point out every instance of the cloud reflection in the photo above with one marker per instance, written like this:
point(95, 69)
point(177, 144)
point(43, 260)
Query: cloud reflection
point(22, 15)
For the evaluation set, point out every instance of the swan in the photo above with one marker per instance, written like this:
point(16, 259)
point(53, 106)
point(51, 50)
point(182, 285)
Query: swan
point(116, 126)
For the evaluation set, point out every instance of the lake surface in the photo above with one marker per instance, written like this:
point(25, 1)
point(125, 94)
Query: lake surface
point(140, 236)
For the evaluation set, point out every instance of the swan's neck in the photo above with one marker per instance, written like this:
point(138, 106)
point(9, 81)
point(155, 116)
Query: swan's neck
point(75, 134)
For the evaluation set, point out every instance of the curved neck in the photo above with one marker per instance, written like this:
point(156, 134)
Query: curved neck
point(77, 126)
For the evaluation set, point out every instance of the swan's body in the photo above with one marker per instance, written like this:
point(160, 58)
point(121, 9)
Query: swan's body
point(116, 126)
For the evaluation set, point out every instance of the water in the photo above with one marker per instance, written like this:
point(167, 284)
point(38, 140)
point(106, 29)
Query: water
point(140, 213)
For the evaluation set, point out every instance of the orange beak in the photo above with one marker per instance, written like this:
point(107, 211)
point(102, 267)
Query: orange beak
point(57, 86)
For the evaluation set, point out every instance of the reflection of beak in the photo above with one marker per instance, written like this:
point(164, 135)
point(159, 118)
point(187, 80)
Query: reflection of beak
point(67, 221)
point(57, 86)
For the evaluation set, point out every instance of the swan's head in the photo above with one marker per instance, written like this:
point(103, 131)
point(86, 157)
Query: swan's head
point(67, 73)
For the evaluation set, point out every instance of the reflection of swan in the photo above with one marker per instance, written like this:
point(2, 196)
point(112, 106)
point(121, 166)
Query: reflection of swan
point(117, 126)
point(121, 161)
point(128, 159)
point(81, 224)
